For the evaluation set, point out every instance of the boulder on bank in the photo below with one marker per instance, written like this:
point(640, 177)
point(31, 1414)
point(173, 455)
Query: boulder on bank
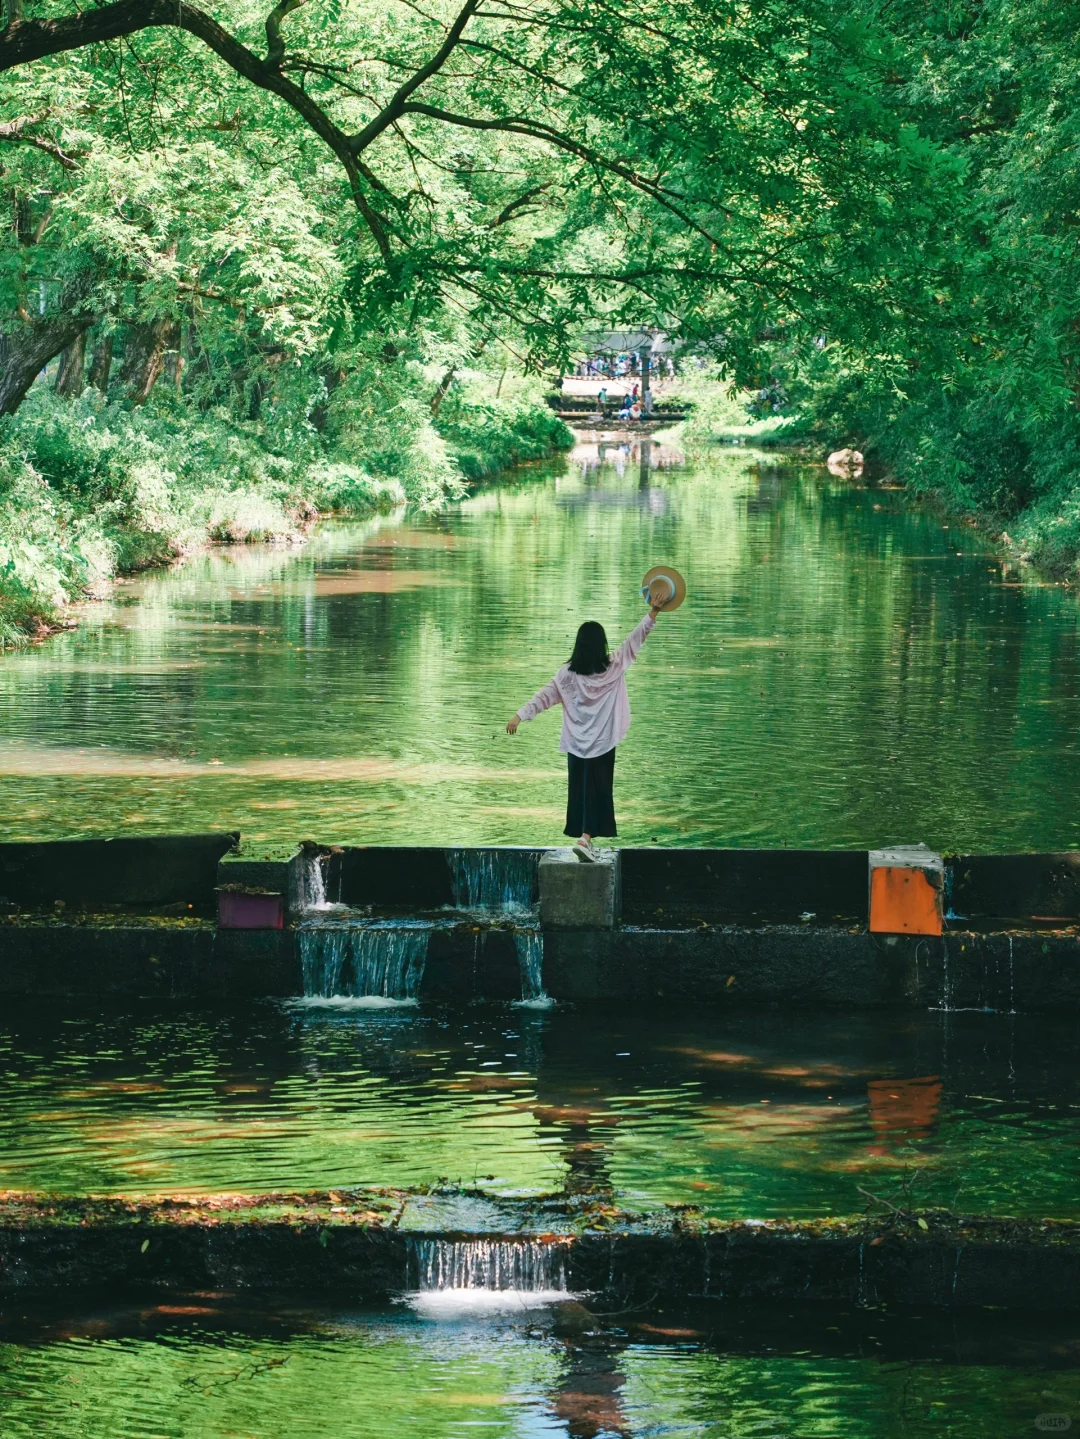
point(845, 463)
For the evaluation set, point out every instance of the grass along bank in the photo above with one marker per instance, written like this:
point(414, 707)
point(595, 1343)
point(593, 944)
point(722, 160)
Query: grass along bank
point(90, 489)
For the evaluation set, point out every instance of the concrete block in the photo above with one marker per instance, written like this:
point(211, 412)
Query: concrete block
point(260, 871)
point(906, 886)
point(150, 872)
point(1017, 886)
point(663, 887)
point(243, 909)
point(575, 895)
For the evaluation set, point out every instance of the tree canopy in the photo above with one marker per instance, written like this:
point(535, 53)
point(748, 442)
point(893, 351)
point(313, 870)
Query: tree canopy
point(517, 168)
point(300, 226)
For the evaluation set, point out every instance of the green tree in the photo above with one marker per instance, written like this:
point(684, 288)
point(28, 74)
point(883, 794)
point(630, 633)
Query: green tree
point(722, 168)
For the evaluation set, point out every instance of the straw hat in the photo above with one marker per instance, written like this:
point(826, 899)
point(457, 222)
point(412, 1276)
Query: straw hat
point(668, 581)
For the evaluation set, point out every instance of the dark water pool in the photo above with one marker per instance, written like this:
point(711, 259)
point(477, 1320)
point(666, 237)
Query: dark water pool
point(760, 1114)
point(199, 1365)
point(846, 671)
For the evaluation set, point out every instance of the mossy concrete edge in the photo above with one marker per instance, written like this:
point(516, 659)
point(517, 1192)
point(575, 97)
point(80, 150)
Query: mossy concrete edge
point(354, 1241)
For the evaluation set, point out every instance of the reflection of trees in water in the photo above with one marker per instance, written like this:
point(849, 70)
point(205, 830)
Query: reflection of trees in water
point(902, 1110)
point(831, 641)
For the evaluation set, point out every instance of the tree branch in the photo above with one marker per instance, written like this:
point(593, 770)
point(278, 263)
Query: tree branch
point(24, 41)
point(535, 130)
point(275, 42)
point(509, 211)
point(14, 132)
point(396, 106)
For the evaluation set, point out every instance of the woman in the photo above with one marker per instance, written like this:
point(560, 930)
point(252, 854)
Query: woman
point(591, 688)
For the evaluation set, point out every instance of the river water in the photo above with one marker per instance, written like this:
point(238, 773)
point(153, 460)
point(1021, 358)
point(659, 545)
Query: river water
point(739, 1115)
point(199, 1365)
point(848, 670)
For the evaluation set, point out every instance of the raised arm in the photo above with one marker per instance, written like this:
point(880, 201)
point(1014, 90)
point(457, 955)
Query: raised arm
point(627, 652)
point(542, 700)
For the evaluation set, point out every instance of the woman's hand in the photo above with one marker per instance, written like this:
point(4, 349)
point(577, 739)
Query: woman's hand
point(658, 602)
point(512, 726)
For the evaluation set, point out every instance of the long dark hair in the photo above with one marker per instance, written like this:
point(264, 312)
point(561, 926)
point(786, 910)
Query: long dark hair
point(590, 655)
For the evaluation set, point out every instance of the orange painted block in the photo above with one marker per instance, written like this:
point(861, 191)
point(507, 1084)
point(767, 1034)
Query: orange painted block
point(903, 901)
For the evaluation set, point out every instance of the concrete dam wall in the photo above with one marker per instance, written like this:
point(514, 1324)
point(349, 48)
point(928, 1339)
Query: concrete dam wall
point(206, 916)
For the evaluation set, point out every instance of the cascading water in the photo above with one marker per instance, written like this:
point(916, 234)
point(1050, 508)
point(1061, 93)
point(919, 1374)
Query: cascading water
point(313, 883)
point(493, 879)
point(530, 953)
point(489, 1272)
point(375, 961)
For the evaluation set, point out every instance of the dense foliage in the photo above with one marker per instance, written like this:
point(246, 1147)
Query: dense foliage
point(276, 259)
point(980, 402)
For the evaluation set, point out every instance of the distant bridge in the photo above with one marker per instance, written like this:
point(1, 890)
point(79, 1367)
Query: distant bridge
point(584, 411)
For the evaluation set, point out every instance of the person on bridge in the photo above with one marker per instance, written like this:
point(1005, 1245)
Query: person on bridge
point(591, 687)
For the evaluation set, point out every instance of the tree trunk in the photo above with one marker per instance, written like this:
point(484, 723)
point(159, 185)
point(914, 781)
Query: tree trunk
point(320, 414)
point(101, 362)
point(174, 369)
point(441, 393)
point(24, 353)
point(71, 376)
point(144, 356)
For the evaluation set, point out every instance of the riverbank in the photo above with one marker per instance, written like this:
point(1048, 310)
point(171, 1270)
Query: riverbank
point(90, 491)
point(997, 490)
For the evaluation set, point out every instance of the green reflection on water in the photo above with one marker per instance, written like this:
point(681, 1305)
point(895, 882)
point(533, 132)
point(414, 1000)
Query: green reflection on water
point(382, 1381)
point(846, 671)
point(740, 1115)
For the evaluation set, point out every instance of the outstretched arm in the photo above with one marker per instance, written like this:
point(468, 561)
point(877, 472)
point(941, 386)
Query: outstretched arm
point(627, 652)
point(541, 700)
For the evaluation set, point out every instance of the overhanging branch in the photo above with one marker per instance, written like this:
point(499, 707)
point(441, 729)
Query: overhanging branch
point(275, 43)
point(24, 41)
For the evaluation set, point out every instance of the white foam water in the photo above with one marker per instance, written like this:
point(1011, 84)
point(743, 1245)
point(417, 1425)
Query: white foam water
point(522, 1264)
point(465, 1303)
point(458, 1277)
point(313, 883)
point(530, 952)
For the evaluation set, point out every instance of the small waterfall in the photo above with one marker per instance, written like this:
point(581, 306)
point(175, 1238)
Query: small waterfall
point(374, 961)
point(499, 1265)
point(313, 882)
point(530, 953)
point(493, 879)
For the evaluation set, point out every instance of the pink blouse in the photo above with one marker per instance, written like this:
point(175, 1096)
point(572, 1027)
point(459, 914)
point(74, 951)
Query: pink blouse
point(596, 708)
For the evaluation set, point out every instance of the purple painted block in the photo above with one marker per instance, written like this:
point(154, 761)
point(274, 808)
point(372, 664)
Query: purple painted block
point(237, 910)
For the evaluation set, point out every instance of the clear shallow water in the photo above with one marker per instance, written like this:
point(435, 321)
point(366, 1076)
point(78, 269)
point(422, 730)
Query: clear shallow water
point(755, 1115)
point(846, 671)
point(181, 1368)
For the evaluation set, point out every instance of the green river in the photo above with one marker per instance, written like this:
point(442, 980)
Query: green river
point(848, 669)
point(202, 1367)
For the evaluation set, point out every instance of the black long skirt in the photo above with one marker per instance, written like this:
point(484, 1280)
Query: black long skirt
point(590, 808)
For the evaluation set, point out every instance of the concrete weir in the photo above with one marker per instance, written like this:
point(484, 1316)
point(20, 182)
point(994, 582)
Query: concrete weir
point(206, 917)
point(363, 1242)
